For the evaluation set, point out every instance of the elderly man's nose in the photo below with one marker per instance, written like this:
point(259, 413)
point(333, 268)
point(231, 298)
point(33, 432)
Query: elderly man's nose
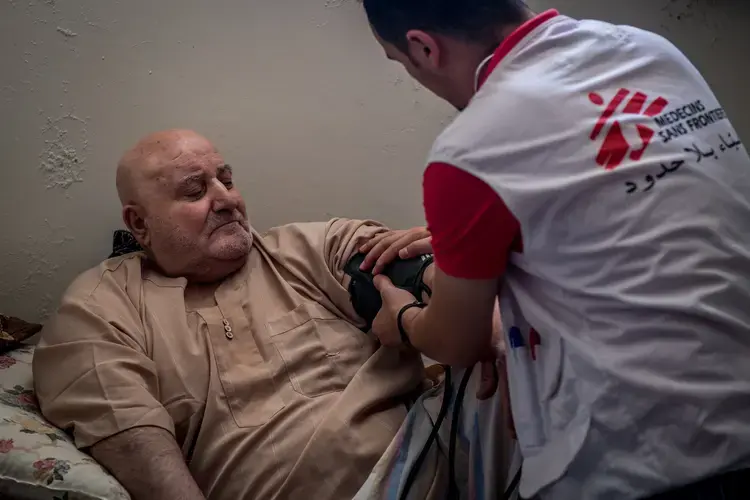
point(224, 199)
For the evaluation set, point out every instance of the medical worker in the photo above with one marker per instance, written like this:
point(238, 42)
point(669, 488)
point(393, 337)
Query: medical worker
point(595, 184)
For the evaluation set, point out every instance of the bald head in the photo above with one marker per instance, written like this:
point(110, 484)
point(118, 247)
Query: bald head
point(180, 203)
point(146, 160)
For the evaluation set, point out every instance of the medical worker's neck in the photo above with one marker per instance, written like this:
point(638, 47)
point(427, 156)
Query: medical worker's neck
point(470, 63)
point(501, 33)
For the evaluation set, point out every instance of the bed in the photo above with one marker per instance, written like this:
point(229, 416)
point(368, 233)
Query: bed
point(37, 460)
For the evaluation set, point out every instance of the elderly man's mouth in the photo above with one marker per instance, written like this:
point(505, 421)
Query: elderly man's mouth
point(230, 225)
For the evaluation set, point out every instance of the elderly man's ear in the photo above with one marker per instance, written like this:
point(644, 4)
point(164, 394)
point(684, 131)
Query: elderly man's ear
point(136, 223)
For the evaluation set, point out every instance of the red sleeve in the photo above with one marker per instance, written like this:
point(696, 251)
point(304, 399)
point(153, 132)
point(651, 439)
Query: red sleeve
point(473, 232)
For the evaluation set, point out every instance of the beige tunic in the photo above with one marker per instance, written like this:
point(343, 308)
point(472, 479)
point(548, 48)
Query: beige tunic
point(266, 382)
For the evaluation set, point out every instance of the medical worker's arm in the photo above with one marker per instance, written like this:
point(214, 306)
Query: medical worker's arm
point(473, 234)
point(456, 326)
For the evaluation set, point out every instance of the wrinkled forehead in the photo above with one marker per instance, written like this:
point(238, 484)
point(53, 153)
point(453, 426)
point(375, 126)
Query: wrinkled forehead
point(168, 161)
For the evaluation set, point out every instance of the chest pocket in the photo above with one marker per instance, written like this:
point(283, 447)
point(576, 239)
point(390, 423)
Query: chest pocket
point(247, 380)
point(320, 351)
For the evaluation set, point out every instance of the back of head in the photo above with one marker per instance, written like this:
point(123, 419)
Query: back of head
point(180, 203)
point(441, 43)
point(468, 20)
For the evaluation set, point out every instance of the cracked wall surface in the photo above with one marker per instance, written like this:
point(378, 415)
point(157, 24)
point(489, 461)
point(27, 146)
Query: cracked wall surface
point(296, 94)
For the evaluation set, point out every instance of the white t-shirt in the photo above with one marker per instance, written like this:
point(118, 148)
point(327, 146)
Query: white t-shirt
point(632, 191)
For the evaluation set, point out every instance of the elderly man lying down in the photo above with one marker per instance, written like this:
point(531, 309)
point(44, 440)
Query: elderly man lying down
point(220, 363)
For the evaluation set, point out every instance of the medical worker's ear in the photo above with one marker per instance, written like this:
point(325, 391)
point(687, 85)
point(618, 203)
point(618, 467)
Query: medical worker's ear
point(424, 50)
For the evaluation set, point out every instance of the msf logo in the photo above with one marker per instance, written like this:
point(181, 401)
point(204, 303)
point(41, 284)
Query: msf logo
point(616, 147)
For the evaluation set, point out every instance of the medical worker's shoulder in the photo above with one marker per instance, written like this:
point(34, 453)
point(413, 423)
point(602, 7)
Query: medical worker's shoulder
point(502, 117)
point(538, 98)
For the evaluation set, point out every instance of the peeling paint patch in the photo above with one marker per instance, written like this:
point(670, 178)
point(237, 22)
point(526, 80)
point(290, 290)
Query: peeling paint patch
point(62, 160)
point(66, 32)
point(61, 165)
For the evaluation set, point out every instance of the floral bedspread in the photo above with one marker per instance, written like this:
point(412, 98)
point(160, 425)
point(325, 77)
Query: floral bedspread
point(37, 460)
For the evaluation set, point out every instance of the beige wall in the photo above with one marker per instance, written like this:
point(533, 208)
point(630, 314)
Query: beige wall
point(296, 93)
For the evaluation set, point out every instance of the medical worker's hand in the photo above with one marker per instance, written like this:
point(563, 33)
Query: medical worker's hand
point(385, 325)
point(387, 247)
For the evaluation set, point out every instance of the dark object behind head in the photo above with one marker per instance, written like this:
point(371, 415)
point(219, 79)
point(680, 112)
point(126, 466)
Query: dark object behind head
point(123, 243)
point(469, 20)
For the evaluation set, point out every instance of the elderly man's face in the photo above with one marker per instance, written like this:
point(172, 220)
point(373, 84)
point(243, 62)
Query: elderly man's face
point(194, 219)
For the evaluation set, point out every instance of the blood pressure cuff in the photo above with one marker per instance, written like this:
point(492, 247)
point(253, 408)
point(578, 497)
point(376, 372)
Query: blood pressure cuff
point(406, 274)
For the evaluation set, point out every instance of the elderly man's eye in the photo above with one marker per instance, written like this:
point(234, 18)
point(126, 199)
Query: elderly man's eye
point(228, 183)
point(195, 194)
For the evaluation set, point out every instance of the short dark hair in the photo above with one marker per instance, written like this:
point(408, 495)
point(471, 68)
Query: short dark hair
point(470, 20)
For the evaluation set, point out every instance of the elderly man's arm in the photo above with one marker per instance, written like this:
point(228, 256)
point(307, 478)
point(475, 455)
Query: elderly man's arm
point(148, 462)
point(381, 246)
point(318, 252)
point(94, 378)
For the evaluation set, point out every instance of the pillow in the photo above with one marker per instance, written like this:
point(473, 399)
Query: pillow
point(123, 243)
point(14, 331)
point(37, 460)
